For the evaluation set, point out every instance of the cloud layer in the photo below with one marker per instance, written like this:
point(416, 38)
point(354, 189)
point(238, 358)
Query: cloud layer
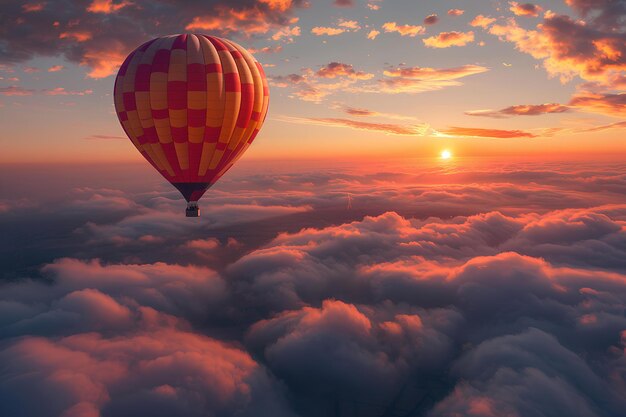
point(480, 290)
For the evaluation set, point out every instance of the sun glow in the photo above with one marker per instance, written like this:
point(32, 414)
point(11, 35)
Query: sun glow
point(446, 154)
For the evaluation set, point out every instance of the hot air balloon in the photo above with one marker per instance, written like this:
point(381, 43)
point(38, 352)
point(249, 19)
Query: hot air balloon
point(191, 104)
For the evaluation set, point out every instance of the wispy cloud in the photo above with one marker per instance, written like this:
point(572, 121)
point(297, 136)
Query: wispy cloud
point(521, 110)
point(388, 128)
point(486, 133)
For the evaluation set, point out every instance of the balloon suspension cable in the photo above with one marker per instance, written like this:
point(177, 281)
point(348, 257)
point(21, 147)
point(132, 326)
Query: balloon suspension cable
point(192, 209)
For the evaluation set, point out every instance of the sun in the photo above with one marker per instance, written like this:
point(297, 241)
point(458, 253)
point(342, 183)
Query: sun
point(446, 154)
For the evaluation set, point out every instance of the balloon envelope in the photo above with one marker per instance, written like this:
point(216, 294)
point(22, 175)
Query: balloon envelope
point(191, 104)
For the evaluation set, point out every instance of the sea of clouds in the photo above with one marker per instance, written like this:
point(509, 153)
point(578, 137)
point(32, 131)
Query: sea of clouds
point(472, 288)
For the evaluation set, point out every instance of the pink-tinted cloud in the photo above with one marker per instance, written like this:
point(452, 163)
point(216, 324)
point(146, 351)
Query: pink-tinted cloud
point(77, 35)
point(16, 91)
point(525, 9)
point(107, 6)
point(287, 33)
point(316, 85)
point(388, 128)
point(203, 244)
point(448, 39)
point(455, 12)
point(426, 73)
point(162, 365)
point(420, 79)
point(603, 103)
point(360, 112)
point(506, 260)
point(338, 69)
point(61, 91)
point(521, 110)
point(287, 80)
point(431, 19)
point(569, 47)
point(266, 50)
point(33, 7)
point(403, 30)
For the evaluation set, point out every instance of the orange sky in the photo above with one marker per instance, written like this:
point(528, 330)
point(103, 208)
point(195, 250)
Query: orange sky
point(364, 80)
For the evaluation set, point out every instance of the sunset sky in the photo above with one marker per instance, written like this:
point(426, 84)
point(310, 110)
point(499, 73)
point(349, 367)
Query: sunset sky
point(348, 79)
point(431, 223)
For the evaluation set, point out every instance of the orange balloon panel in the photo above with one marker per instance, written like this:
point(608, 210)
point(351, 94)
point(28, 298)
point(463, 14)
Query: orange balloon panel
point(191, 104)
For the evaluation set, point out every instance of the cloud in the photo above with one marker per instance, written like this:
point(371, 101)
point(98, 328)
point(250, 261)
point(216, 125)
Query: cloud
point(338, 69)
point(521, 110)
point(488, 288)
point(496, 297)
point(33, 7)
point(287, 80)
point(448, 39)
point(288, 32)
point(31, 70)
point(605, 13)
point(617, 125)
point(60, 91)
point(426, 73)
point(99, 34)
point(373, 34)
point(403, 30)
point(266, 50)
point(526, 367)
point(328, 31)
point(167, 370)
point(419, 79)
point(569, 47)
point(360, 112)
point(56, 68)
point(203, 244)
point(455, 12)
point(431, 19)
point(388, 128)
point(603, 103)
point(525, 9)
point(107, 6)
point(352, 25)
point(482, 21)
point(486, 133)
point(341, 333)
point(16, 91)
point(315, 86)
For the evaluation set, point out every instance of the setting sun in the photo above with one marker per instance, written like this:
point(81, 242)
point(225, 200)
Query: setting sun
point(313, 208)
